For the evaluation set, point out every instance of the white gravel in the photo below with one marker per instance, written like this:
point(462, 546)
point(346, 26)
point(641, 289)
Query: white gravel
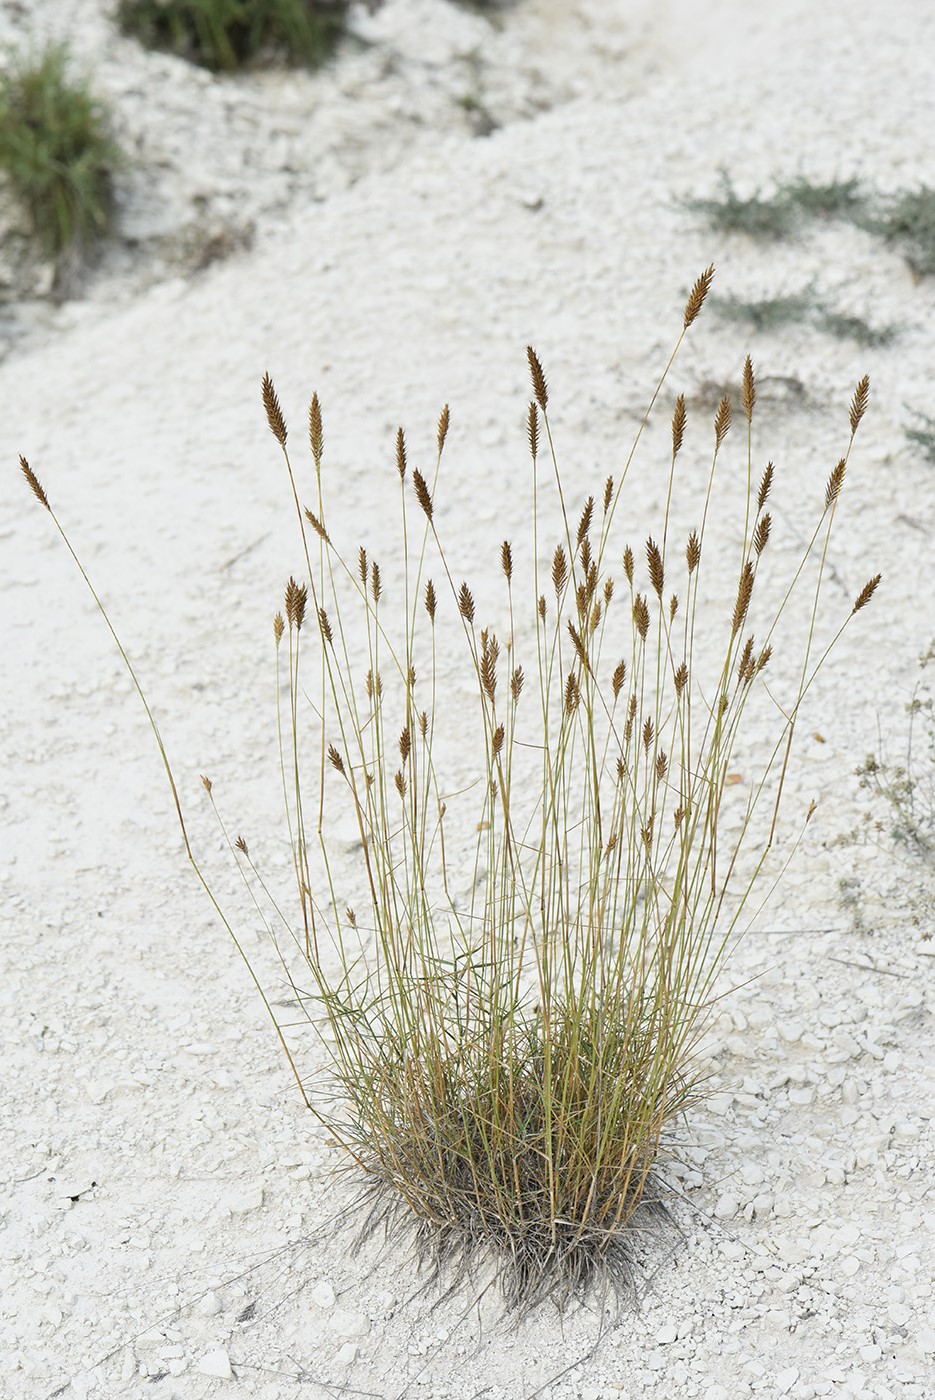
point(166, 1215)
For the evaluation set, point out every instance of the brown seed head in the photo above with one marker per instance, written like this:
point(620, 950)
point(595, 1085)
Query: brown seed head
point(506, 560)
point(488, 667)
point(362, 565)
point(351, 917)
point(646, 832)
point(673, 606)
point(400, 782)
point(608, 493)
point(279, 627)
point(376, 583)
point(641, 616)
point(866, 593)
point(572, 694)
point(497, 743)
point(835, 482)
point(315, 435)
point(662, 763)
point(584, 524)
point(748, 389)
point(763, 658)
point(539, 387)
point(693, 552)
point(742, 603)
point(241, 845)
point(34, 484)
point(859, 402)
point(431, 601)
point(516, 683)
point(761, 533)
point(405, 744)
point(206, 783)
point(678, 425)
point(619, 679)
point(401, 454)
point(325, 626)
point(336, 761)
point(628, 564)
point(423, 495)
point(578, 644)
point(595, 622)
point(316, 525)
point(559, 569)
point(466, 603)
point(765, 485)
point(657, 575)
point(423, 724)
point(274, 418)
point(721, 421)
point(697, 295)
point(443, 420)
point(681, 678)
point(648, 731)
point(745, 667)
point(585, 555)
point(540, 606)
point(608, 591)
point(532, 430)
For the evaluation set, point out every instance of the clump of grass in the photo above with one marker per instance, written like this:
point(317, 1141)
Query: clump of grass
point(908, 219)
point(909, 788)
point(227, 34)
point(57, 157)
point(923, 435)
point(782, 213)
point(795, 308)
point(512, 985)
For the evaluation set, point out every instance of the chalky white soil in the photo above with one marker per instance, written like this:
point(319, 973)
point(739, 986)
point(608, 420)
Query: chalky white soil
point(392, 233)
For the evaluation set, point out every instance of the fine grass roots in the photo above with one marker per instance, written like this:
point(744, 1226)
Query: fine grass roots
point(56, 156)
point(227, 34)
point(512, 981)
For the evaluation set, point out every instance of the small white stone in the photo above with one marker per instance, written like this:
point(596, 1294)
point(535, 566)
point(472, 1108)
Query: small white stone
point(785, 1380)
point(666, 1335)
point(850, 1266)
point(216, 1363)
point(246, 1201)
point(347, 1322)
point(899, 1314)
point(210, 1305)
point(720, 1103)
point(347, 1354)
point(726, 1207)
point(801, 1097)
point(925, 1339)
point(323, 1295)
point(871, 1353)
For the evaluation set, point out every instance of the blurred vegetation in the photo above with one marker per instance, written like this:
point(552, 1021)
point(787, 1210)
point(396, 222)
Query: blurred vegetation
point(224, 35)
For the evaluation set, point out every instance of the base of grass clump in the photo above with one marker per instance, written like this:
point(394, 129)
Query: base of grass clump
point(227, 34)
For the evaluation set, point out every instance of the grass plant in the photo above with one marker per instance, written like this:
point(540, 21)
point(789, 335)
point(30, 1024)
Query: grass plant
point(922, 434)
point(908, 788)
point(796, 308)
point(512, 983)
point(227, 34)
point(908, 219)
point(56, 155)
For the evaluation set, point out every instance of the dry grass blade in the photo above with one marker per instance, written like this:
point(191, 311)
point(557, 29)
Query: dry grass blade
point(274, 418)
point(539, 387)
point(34, 483)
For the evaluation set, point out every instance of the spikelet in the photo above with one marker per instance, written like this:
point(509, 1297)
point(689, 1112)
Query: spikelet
point(745, 665)
point(559, 569)
point(678, 425)
point(442, 432)
point(619, 679)
point(641, 615)
point(662, 764)
point(656, 571)
point(336, 761)
point(866, 593)
point(673, 606)
point(376, 582)
point(466, 603)
point(325, 626)
point(490, 652)
point(34, 483)
point(585, 555)
point(315, 435)
point(765, 485)
point(279, 627)
point(742, 603)
point(748, 389)
point(761, 533)
point(572, 694)
point(350, 916)
point(578, 644)
point(497, 742)
point(362, 568)
point(584, 524)
point(400, 783)
point(401, 454)
point(595, 622)
point(423, 495)
point(608, 591)
point(274, 418)
point(431, 601)
point(405, 744)
point(516, 683)
point(859, 402)
point(532, 430)
point(206, 782)
point(423, 724)
point(646, 832)
point(835, 482)
point(697, 295)
point(680, 678)
point(608, 493)
point(316, 525)
point(628, 564)
point(721, 421)
point(241, 845)
point(539, 387)
point(295, 599)
point(648, 731)
point(506, 561)
point(693, 552)
point(540, 606)
point(763, 658)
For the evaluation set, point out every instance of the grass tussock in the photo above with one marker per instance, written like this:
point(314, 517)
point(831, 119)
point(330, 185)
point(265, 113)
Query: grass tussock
point(922, 434)
point(908, 787)
point(225, 35)
point(56, 155)
point(803, 308)
point(512, 982)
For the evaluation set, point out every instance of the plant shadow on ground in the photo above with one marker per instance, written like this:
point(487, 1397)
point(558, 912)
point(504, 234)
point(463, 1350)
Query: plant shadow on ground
point(507, 1055)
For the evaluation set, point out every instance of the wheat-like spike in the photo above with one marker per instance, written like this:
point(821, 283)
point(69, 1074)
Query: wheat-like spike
point(581, 599)
point(866, 593)
point(748, 389)
point(325, 626)
point(315, 435)
point(274, 416)
point(206, 782)
point(572, 694)
point(673, 606)
point(516, 683)
point(34, 483)
point(585, 555)
point(835, 482)
point(431, 600)
point(611, 844)
point(559, 569)
point(763, 658)
point(678, 425)
point(376, 582)
point(745, 661)
point(362, 567)
point(466, 603)
point(279, 627)
point(678, 817)
point(619, 679)
point(595, 622)
point(241, 845)
point(584, 524)
point(401, 454)
point(641, 616)
point(742, 604)
point(301, 598)
point(697, 295)
point(423, 724)
point(648, 731)
point(628, 564)
point(539, 387)
point(336, 761)
point(423, 495)
point(681, 678)
point(657, 575)
point(646, 832)
point(400, 782)
point(859, 402)
point(608, 591)
point(368, 684)
point(662, 764)
point(532, 430)
point(621, 771)
point(497, 742)
point(762, 531)
point(444, 419)
point(316, 525)
point(488, 669)
point(541, 606)
point(721, 422)
point(405, 744)
point(693, 551)
point(608, 493)
point(506, 561)
point(350, 916)
point(578, 644)
point(766, 483)
point(292, 589)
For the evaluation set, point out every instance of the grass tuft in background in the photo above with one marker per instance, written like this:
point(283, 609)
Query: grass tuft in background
point(228, 34)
